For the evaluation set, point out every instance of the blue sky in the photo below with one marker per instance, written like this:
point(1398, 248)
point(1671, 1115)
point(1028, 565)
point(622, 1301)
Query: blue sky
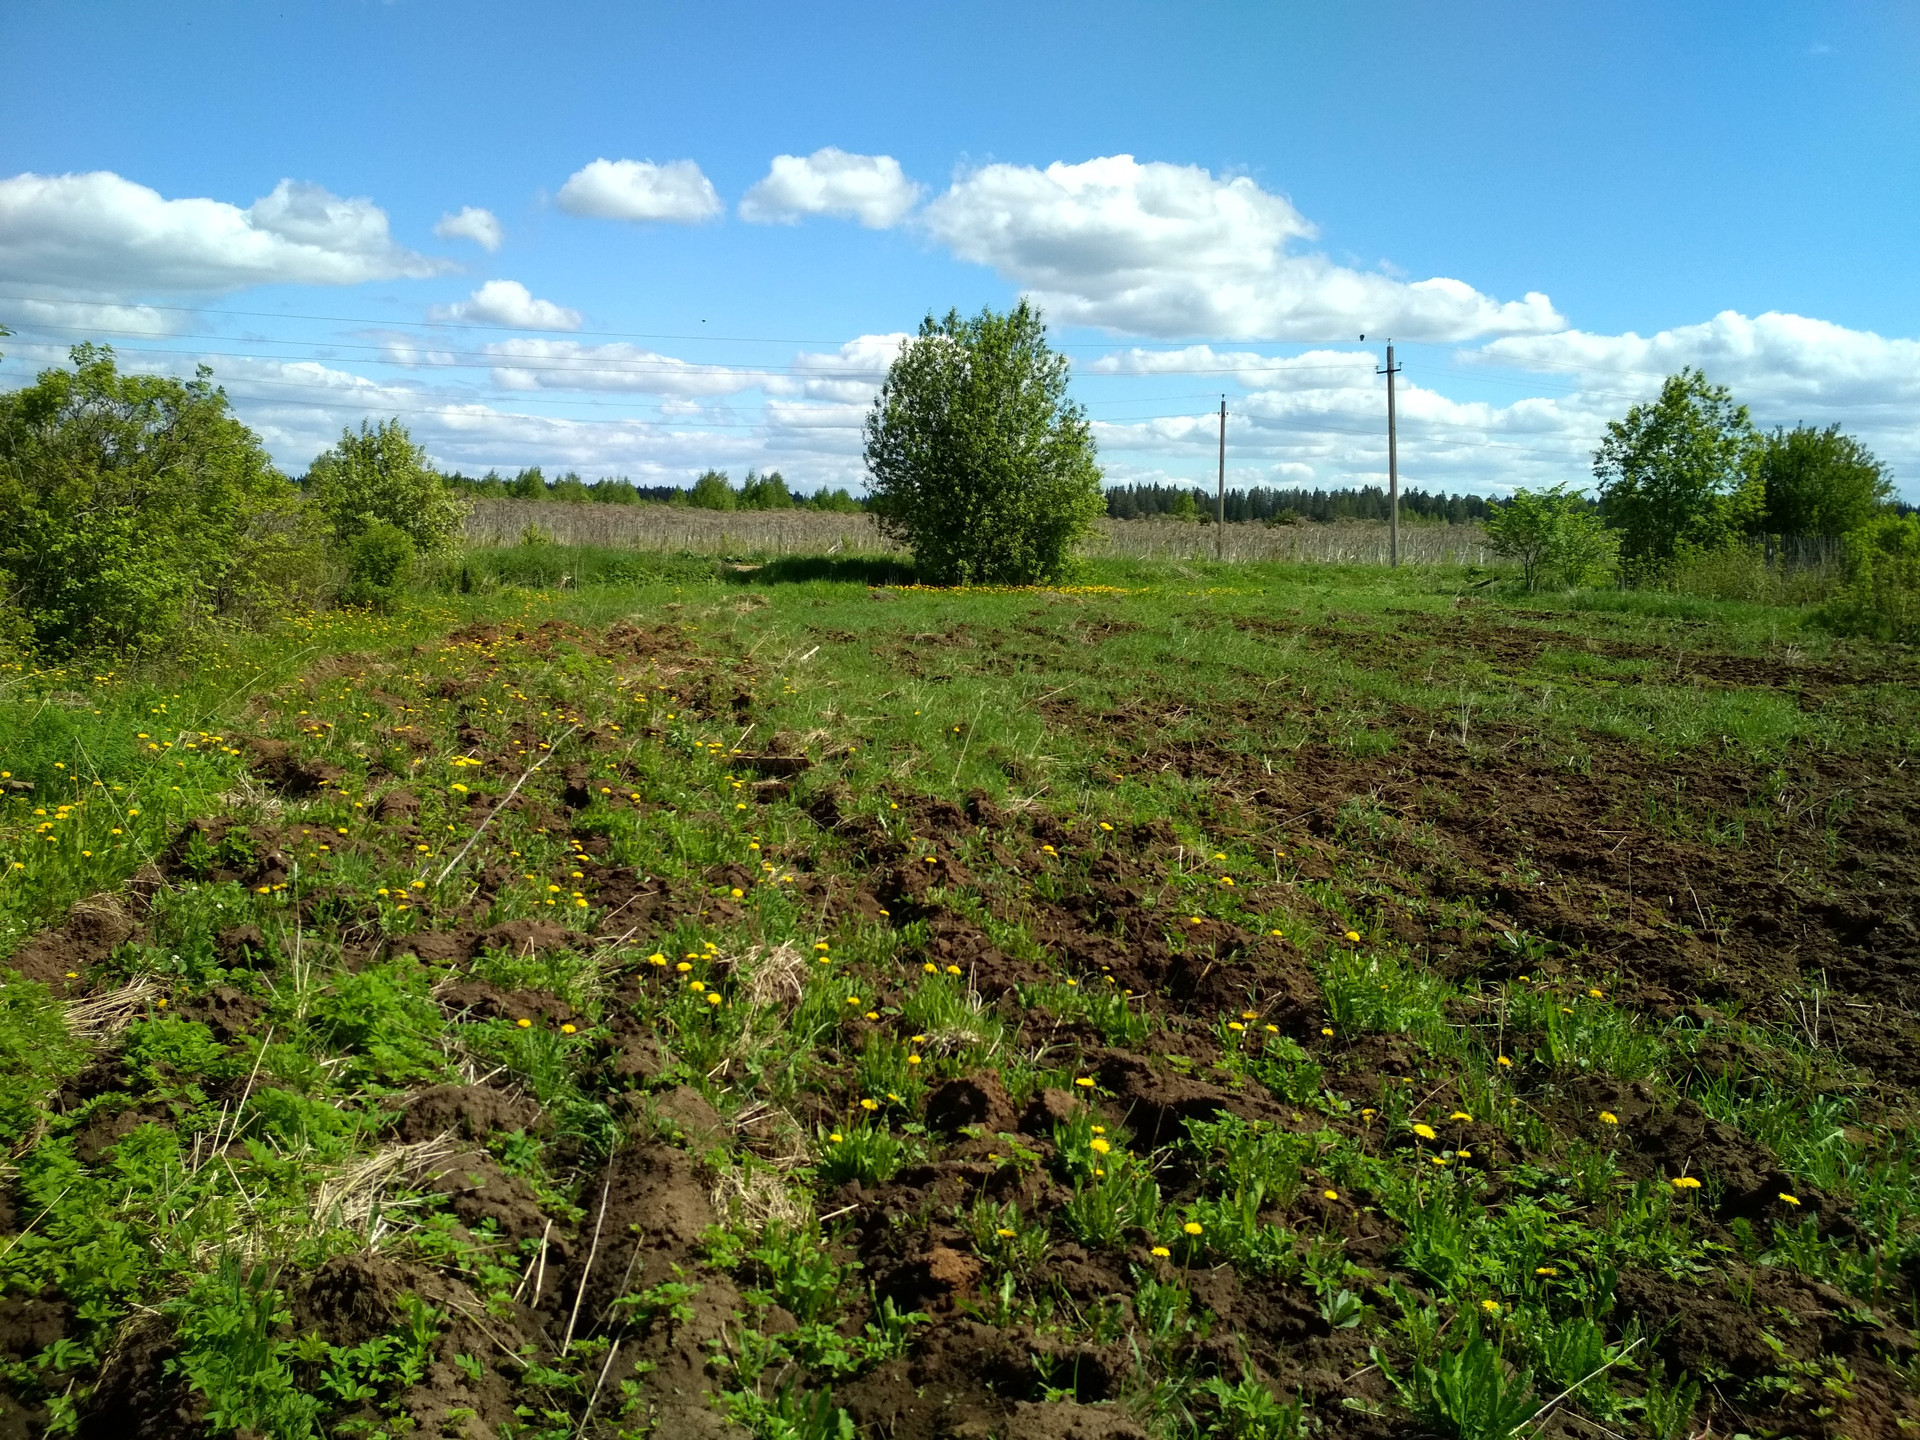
point(1549, 208)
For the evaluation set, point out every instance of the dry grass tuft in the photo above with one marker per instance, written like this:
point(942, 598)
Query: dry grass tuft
point(98, 1018)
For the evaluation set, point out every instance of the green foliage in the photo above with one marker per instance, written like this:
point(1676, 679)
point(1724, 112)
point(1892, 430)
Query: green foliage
point(1554, 535)
point(1247, 1410)
point(765, 492)
point(1678, 473)
point(1820, 482)
point(134, 508)
point(168, 1047)
point(380, 475)
point(379, 562)
point(1881, 594)
point(226, 1326)
point(1468, 1394)
point(980, 463)
point(36, 1052)
point(529, 484)
point(837, 501)
point(713, 491)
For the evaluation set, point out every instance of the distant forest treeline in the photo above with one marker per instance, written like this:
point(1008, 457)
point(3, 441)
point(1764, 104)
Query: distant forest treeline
point(1267, 506)
point(714, 490)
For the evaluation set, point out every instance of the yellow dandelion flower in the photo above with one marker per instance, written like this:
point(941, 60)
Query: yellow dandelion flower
point(1425, 1132)
point(1685, 1182)
point(524, 1024)
point(1085, 1081)
point(1607, 1117)
point(1192, 1227)
point(1329, 1194)
point(1789, 1199)
point(1098, 1146)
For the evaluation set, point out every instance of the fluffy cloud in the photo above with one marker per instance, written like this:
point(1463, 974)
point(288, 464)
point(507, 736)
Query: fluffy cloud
point(849, 375)
point(471, 223)
point(509, 303)
point(99, 234)
point(1159, 249)
point(1785, 366)
point(571, 365)
point(640, 190)
point(1313, 370)
point(869, 188)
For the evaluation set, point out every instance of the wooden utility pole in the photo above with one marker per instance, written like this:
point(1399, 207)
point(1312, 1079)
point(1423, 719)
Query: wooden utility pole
point(1220, 493)
point(1393, 467)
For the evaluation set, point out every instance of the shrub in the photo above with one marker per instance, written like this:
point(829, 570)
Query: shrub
point(1820, 482)
point(980, 463)
point(1678, 471)
point(379, 563)
point(1881, 595)
point(135, 508)
point(1554, 535)
point(765, 492)
point(712, 491)
point(380, 475)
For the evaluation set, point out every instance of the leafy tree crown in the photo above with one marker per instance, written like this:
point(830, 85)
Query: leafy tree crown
point(979, 461)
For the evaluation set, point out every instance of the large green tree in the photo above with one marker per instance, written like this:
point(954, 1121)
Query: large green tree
point(1678, 473)
point(378, 475)
point(980, 462)
point(1820, 482)
point(135, 507)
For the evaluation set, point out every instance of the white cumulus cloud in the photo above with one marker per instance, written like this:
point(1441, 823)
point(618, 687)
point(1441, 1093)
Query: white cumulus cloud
point(640, 190)
point(618, 366)
point(1160, 249)
point(509, 303)
point(471, 223)
point(100, 234)
point(872, 189)
point(1775, 362)
point(849, 375)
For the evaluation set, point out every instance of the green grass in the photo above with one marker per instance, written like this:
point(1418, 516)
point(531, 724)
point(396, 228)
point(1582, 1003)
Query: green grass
point(1343, 834)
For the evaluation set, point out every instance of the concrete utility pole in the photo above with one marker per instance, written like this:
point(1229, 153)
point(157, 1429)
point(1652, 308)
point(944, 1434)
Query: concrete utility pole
point(1220, 495)
point(1393, 466)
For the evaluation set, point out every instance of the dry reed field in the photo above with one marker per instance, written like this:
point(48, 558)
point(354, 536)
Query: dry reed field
point(787, 532)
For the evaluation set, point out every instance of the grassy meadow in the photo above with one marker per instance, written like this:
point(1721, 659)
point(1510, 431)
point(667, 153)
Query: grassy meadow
point(630, 995)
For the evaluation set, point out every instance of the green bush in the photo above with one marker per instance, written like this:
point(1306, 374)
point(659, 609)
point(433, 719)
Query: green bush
point(380, 475)
point(765, 492)
point(1881, 595)
point(980, 462)
point(712, 491)
point(1556, 537)
point(134, 509)
point(379, 564)
point(1820, 482)
point(1677, 471)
